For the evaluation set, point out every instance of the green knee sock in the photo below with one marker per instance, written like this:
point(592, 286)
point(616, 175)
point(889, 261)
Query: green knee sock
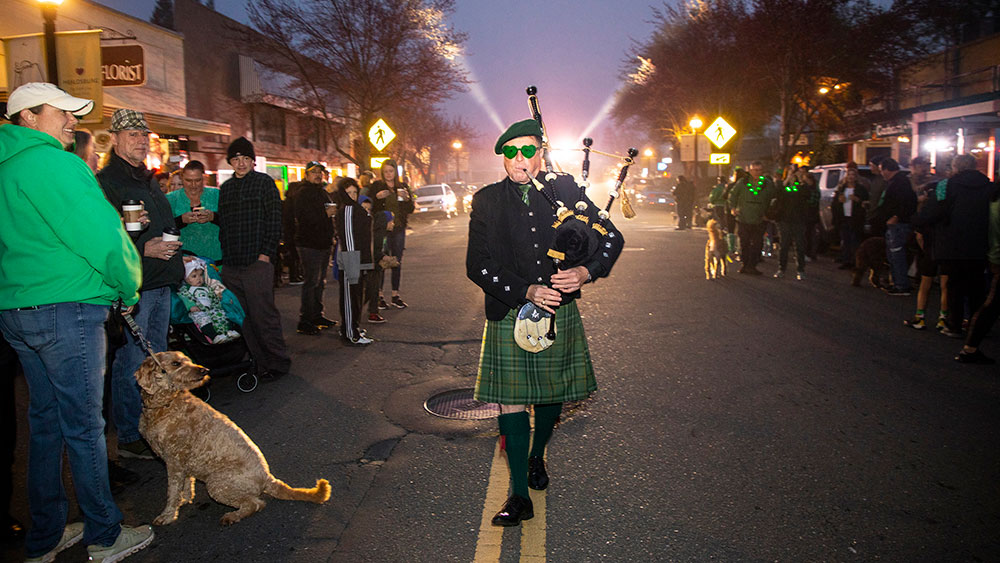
point(516, 428)
point(545, 420)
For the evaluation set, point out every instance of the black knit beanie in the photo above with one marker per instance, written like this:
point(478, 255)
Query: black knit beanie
point(240, 147)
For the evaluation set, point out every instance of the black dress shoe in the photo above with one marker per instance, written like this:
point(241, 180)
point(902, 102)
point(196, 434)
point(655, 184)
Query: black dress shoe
point(516, 508)
point(538, 479)
point(324, 322)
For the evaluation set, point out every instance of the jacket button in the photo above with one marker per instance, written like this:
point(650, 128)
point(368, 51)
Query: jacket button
point(536, 245)
point(532, 229)
point(539, 262)
point(539, 279)
point(531, 214)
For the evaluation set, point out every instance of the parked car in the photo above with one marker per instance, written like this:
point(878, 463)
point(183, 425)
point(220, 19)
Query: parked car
point(435, 198)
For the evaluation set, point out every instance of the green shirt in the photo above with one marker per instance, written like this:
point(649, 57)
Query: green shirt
point(200, 238)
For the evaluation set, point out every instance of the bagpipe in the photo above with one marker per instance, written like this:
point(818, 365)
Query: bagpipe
point(578, 237)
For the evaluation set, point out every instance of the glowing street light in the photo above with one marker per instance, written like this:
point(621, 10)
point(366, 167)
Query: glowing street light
point(824, 90)
point(647, 152)
point(457, 145)
point(695, 123)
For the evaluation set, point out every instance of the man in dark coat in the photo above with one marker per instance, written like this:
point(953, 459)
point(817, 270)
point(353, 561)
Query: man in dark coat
point(960, 221)
point(897, 206)
point(126, 178)
point(313, 212)
point(249, 230)
point(684, 199)
point(510, 234)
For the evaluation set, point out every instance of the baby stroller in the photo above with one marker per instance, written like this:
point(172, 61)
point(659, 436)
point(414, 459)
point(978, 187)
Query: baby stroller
point(222, 359)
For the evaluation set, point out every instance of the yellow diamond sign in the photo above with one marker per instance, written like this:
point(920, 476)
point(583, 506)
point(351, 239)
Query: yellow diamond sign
point(719, 132)
point(380, 135)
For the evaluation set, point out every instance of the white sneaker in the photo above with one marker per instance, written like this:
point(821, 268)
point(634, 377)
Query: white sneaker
point(799, 276)
point(129, 541)
point(362, 341)
point(72, 534)
point(779, 274)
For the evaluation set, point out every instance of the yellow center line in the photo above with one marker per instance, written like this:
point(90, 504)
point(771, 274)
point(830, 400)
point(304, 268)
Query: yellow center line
point(491, 537)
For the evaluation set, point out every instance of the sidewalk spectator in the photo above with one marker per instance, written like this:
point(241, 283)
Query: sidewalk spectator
point(898, 204)
point(986, 316)
point(66, 258)
point(196, 213)
point(684, 200)
point(959, 214)
point(379, 192)
point(812, 234)
point(848, 210)
point(249, 230)
point(749, 202)
point(876, 188)
point(313, 211)
point(287, 252)
point(717, 201)
point(401, 205)
point(920, 175)
point(353, 255)
point(83, 147)
point(927, 266)
point(793, 205)
point(126, 178)
point(11, 529)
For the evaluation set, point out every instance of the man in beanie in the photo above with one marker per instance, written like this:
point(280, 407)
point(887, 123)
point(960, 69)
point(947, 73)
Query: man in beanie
point(510, 232)
point(66, 258)
point(313, 212)
point(249, 230)
point(126, 178)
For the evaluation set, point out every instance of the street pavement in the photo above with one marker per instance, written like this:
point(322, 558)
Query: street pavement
point(744, 419)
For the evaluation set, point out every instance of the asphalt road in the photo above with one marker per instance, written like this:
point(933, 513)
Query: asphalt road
point(746, 419)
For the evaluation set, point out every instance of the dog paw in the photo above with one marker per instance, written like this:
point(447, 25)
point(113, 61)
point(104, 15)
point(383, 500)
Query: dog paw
point(228, 519)
point(164, 519)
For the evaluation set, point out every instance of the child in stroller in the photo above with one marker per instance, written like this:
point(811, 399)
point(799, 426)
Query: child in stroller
point(196, 333)
point(202, 296)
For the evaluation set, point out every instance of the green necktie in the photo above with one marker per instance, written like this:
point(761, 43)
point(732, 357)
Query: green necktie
point(524, 192)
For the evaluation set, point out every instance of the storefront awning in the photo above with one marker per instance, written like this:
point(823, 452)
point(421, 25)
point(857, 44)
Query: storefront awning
point(167, 124)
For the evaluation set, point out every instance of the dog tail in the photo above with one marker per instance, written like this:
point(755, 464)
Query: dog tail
point(279, 489)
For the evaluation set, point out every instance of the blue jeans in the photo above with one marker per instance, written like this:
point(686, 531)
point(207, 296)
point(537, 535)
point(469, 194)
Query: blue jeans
point(153, 317)
point(896, 237)
point(63, 350)
point(397, 243)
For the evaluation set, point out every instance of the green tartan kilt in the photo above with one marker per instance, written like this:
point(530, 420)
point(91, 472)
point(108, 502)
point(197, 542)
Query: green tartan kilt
point(512, 376)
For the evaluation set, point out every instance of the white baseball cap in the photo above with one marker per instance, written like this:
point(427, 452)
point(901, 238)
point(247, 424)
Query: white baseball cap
point(37, 93)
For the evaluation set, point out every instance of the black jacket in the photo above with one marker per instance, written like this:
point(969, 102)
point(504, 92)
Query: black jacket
point(794, 203)
point(354, 229)
point(313, 228)
point(858, 211)
point(121, 181)
point(960, 221)
point(898, 200)
point(508, 242)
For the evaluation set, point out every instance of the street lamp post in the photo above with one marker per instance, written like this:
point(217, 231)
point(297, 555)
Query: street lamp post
point(457, 145)
point(695, 124)
point(49, 8)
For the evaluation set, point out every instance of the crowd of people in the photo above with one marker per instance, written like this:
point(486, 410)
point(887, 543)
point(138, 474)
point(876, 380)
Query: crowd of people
point(946, 225)
point(154, 245)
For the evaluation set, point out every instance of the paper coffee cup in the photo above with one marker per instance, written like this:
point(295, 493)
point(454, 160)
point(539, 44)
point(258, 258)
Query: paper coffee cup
point(171, 234)
point(131, 210)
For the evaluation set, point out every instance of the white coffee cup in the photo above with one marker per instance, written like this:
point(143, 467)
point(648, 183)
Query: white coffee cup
point(131, 212)
point(171, 237)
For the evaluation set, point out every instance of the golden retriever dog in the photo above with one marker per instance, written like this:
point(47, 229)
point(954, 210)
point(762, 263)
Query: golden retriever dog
point(198, 442)
point(716, 250)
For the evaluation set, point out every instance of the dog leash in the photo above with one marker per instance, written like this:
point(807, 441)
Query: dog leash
point(137, 333)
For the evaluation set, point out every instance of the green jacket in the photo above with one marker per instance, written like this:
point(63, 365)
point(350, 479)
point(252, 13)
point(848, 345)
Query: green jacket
point(60, 239)
point(752, 199)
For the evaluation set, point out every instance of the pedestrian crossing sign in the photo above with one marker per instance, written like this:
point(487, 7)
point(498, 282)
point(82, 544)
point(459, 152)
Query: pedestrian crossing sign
point(719, 132)
point(718, 158)
point(380, 135)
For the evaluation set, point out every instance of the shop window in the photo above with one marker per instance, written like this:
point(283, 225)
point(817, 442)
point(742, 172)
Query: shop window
point(311, 134)
point(268, 124)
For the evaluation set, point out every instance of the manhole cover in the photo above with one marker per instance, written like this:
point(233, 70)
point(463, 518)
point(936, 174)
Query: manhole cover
point(458, 404)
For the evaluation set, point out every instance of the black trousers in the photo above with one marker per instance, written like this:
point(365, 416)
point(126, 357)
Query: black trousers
point(350, 306)
point(254, 287)
point(966, 286)
point(751, 242)
point(315, 263)
point(986, 316)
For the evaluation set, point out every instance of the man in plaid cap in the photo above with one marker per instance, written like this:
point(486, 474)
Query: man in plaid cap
point(312, 212)
point(126, 178)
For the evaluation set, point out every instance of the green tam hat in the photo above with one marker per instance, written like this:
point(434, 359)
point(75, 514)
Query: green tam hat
point(526, 128)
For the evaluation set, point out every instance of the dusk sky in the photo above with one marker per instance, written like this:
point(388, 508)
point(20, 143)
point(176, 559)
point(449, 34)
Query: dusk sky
point(573, 50)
